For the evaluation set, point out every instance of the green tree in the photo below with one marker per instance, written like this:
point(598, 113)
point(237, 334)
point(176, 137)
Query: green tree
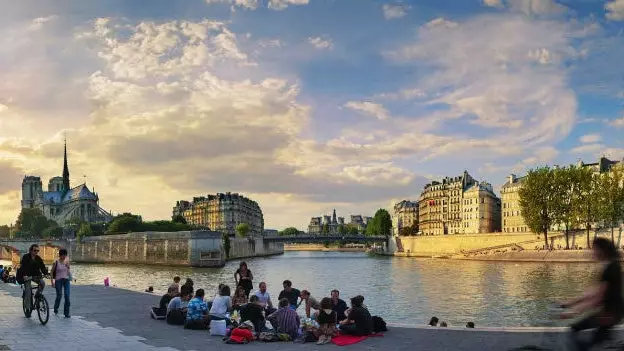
point(242, 230)
point(611, 198)
point(227, 245)
point(290, 231)
point(325, 229)
point(52, 232)
point(381, 224)
point(32, 222)
point(588, 208)
point(566, 185)
point(342, 229)
point(5, 231)
point(125, 223)
point(353, 229)
point(538, 201)
point(178, 219)
point(84, 231)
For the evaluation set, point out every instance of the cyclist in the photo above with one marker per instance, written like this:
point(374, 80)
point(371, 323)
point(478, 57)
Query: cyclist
point(606, 297)
point(32, 267)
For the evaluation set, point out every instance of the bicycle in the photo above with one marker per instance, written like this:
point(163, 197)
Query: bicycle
point(38, 301)
point(562, 341)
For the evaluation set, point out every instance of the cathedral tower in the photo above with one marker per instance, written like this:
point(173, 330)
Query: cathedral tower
point(65, 170)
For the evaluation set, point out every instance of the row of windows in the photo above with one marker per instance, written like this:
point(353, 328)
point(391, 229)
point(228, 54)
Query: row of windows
point(511, 205)
point(511, 213)
point(515, 230)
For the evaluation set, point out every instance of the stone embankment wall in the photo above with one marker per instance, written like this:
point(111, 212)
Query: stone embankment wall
point(193, 248)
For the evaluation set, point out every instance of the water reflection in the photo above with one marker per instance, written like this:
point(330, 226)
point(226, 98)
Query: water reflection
point(402, 290)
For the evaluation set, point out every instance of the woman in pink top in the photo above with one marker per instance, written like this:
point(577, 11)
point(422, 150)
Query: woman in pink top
point(61, 276)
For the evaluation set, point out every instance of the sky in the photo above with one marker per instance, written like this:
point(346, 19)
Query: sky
point(302, 105)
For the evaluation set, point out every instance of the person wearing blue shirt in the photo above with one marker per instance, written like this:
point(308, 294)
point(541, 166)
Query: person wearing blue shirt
point(197, 312)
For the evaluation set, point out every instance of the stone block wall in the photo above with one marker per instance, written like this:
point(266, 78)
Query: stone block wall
point(247, 247)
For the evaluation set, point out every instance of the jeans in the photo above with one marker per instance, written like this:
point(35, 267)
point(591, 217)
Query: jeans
point(592, 322)
point(28, 290)
point(60, 285)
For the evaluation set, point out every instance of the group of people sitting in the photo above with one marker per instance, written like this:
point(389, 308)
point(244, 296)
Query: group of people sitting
point(5, 275)
point(435, 322)
point(182, 305)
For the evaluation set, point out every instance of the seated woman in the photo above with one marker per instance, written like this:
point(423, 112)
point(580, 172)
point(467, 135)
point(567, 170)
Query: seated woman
point(240, 298)
point(221, 306)
point(359, 321)
point(327, 320)
point(177, 308)
point(253, 312)
point(310, 304)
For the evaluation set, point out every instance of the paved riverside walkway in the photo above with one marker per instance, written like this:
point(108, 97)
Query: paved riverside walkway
point(116, 319)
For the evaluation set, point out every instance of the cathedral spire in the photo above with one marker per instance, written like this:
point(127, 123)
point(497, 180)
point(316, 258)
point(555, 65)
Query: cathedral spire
point(65, 169)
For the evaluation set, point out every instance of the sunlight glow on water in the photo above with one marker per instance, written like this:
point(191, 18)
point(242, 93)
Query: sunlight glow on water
point(401, 290)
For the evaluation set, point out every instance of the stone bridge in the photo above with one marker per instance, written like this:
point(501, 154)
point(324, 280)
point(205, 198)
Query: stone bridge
point(13, 249)
point(323, 238)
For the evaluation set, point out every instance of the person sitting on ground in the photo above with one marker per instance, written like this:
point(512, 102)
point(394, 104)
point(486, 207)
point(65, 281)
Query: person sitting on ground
point(253, 312)
point(433, 322)
point(291, 294)
point(470, 325)
point(264, 298)
point(359, 322)
point(285, 319)
point(338, 305)
point(1, 270)
point(310, 304)
point(221, 305)
point(327, 319)
point(189, 283)
point(240, 298)
point(443, 325)
point(176, 284)
point(177, 308)
point(605, 298)
point(197, 314)
point(166, 298)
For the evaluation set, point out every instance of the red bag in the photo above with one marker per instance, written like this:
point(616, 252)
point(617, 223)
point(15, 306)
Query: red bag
point(241, 336)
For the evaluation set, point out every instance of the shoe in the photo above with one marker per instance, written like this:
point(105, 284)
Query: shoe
point(327, 340)
point(321, 340)
point(67, 316)
point(55, 311)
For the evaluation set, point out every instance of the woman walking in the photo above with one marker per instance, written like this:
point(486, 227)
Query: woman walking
point(61, 277)
point(244, 278)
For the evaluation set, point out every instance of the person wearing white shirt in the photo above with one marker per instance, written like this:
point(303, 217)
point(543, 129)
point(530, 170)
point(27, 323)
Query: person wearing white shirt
point(264, 298)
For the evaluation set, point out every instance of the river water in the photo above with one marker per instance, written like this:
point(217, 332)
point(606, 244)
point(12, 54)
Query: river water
point(402, 290)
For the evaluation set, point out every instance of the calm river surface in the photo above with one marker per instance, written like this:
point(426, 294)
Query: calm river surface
point(401, 290)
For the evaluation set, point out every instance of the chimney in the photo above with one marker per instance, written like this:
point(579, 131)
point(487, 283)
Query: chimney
point(512, 178)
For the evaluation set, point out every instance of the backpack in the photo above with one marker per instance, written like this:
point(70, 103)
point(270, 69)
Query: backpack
point(379, 325)
point(19, 276)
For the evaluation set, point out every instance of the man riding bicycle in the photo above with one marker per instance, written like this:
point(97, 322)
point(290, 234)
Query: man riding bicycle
point(33, 270)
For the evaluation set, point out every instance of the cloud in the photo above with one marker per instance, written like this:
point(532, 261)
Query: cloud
point(590, 138)
point(283, 4)
point(618, 122)
point(394, 11)
point(493, 3)
point(615, 10)
point(368, 107)
point(11, 177)
point(537, 7)
point(590, 148)
point(403, 94)
point(320, 43)
point(440, 23)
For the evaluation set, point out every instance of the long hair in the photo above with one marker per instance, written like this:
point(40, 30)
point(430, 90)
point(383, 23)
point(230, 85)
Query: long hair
point(607, 249)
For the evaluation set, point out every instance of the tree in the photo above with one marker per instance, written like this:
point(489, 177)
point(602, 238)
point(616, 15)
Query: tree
point(325, 229)
point(178, 219)
point(353, 229)
point(52, 232)
point(566, 184)
point(538, 201)
point(31, 222)
point(381, 224)
point(611, 198)
point(125, 223)
point(588, 208)
point(242, 230)
point(84, 231)
point(5, 231)
point(225, 238)
point(342, 229)
point(290, 231)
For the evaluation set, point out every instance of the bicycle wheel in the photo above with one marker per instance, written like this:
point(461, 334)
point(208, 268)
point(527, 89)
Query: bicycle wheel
point(43, 310)
point(27, 311)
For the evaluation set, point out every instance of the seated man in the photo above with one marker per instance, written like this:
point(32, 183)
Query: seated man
point(285, 319)
point(338, 305)
point(160, 312)
point(291, 294)
point(310, 304)
point(197, 313)
point(359, 321)
point(253, 312)
point(264, 298)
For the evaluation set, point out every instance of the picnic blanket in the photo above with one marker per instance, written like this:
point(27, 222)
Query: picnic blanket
point(345, 340)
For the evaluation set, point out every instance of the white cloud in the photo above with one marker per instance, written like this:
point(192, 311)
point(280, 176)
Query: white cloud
point(440, 23)
point(404, 94)
point(537, 7)
point(394, 11)
point(320, 43)
point(592, 148)
point(590, 138)
point(3, 108)
point(368, 107)
point(246, 4)
point(615, 10)
point(270, 43)
point(39, 22)
point(618, 122)
point(283, 4)
point(493, 3)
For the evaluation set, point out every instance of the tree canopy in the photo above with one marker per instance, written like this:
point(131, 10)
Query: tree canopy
point(381, 224)
point(242, 230)
point(31, 222)
point(538, 200)
point(290, 231)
